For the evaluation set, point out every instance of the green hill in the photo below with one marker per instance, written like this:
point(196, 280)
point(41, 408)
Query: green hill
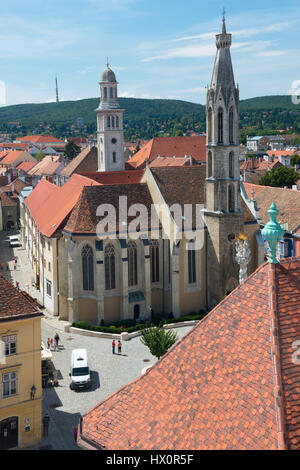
point(146, 118)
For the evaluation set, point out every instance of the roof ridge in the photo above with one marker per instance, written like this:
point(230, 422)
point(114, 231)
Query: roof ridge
point(275, 351)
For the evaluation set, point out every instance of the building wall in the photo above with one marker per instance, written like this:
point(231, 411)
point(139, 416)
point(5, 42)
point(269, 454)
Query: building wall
point(27, 364)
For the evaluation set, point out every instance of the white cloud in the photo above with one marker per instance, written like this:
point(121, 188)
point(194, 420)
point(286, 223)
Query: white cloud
point(126, 94)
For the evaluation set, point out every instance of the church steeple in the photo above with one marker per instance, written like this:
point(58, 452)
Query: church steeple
point(223, 215)
point(110, 124)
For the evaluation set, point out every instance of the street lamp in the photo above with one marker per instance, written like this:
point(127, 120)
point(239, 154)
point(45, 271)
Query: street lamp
point(32, 392)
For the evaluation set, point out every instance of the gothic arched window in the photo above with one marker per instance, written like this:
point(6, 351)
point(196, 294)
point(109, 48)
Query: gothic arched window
point(220, 126)
point(112, 121)
point(231, 140)
point(231, 165)
point(108, 121)
point(209, 125)
point(132, 264)
point(230, 198)
point(111, 92)
point(192, 262)
point(110, 267)
point(154, 260)
point(87, 258)
point(105, 93)
point(209, 164)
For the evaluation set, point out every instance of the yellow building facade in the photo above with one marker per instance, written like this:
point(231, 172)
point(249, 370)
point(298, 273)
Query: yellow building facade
point(20, 370)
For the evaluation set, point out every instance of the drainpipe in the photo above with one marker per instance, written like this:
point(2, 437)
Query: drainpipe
point(57, 276)
point(206, 271)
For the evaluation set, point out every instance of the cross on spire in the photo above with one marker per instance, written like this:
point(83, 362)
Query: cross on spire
point(107, 62)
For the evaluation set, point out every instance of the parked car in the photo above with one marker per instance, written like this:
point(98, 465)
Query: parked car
point(79, 370)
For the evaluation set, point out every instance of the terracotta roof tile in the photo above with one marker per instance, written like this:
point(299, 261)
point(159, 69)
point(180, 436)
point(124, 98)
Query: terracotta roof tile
point(13, 304)
point(25, 166)
point(40, 139)
point(205, 393)
point(74, 164)
point(116, 177)
point(287, 202)
point(170, 146)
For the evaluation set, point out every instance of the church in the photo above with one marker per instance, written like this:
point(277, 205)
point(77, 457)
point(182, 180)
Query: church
point(103, 278)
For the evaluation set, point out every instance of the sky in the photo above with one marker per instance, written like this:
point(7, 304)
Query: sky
point(157, 48)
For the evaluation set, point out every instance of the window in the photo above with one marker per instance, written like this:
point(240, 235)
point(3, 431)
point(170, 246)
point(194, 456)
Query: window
point(209, 125)
point(114, 157)
point(112, 121)
point(110, 263)
point(230, 199)
point(111, 92)
point(48, 246)
point(191, 262)
point(87, 258)
point(49, 267)
point(49, 288)
point(10, 345)
point(154, 260)
point(108, 121)
point(105, 93)
point(231, 126)
point(231, 165)
point(116, 95)
point(209, 164)
point(220, 126)
point(113, 141)
point(9, 384)
point(132, 264)
point(117, 121)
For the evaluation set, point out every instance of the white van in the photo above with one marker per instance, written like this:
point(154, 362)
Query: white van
point(80, 371)
point(14, 241)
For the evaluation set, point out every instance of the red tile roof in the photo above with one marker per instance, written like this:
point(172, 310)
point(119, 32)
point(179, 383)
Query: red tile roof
point(116, 177)
point(26, 166)
point(40, 139)
point(13, 304)
point(39, 168)
point(283, 153)
point(56, 204)
point(170, 146)
point(170, 161)
point(287, 202)
point(12, 156)
point(230, 383)
point(86, 154)
point(6, 201)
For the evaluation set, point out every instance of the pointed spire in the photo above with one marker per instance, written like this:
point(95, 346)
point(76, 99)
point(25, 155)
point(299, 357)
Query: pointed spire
point(224, 25)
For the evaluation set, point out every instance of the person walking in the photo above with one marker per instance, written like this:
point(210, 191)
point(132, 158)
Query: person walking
point(48, 343)
point(46, 420)
point(119, 347)
point(75, 432)
point(17, 285)
point(56, 337)
point(113, 345)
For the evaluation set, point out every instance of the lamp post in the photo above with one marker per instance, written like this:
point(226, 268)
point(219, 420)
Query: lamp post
point(272, 233)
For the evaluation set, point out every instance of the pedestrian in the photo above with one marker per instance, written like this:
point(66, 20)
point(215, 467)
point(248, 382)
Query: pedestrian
point(119, 347)
point(56, 337)
point(75, 432)
point(17, 285)
point(113, 344)
point(46, 420)
point(54, 344)
point(51, 343)
point(48, 343)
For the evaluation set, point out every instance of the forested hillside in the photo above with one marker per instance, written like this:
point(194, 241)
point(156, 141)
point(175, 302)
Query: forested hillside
point(146, 118)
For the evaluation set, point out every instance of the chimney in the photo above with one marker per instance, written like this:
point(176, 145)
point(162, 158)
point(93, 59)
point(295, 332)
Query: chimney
point(191, 160)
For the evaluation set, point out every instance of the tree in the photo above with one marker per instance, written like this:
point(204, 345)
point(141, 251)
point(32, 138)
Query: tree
point(40, 155)
point(158, 340)
point(295, 160)
point(71, 150)
point(279, 177)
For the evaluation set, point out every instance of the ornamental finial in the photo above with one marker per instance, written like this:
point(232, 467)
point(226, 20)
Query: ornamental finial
point(224, 25)
point(107, 62)
point(272, 233)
